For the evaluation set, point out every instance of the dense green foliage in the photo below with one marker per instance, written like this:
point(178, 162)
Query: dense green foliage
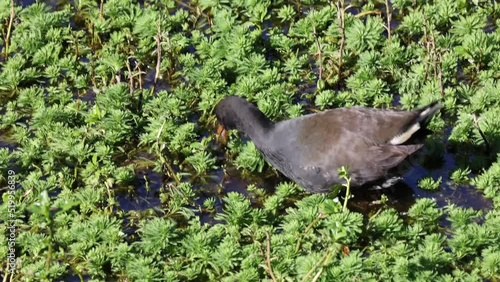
point(95, 93)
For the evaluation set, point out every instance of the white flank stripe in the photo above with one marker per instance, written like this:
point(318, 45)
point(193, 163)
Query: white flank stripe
point(424, 113)
point(403, 137)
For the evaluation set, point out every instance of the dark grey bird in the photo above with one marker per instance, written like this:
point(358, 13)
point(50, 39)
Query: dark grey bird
point(310, 149)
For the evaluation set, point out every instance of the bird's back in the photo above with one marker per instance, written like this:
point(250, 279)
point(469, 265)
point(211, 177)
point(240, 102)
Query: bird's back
point(311, 148)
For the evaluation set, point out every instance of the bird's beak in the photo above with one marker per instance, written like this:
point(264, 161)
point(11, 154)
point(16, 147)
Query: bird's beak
point(222, 134)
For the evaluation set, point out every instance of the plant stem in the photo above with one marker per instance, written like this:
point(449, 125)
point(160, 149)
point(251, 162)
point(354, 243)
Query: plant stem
point(375, 215)
point(130, 77)
point(268, 257)
point(7, 270)
point(158, 53)
point(77, 51)
point(92, 63)
point(141, 93)
point(320, 53)
point(170, 58)
point(163, 160)
point(49, 253)
point(341, 19)
point(429, 44)
point(347, 192)
point(109, 191)
point(426, 42)
point(476, 125)
point(324, 260)
point(140, 73)
point(187, 6)
point(75, 171)
point(170, 169)
point(440, 73)
point(435, 56)
point(77, 272)
point(186, 198)
point(101, 9)
point(9, 28)
point(365, 13)
point(315, 278)
point(308, 228)
point(389, 19)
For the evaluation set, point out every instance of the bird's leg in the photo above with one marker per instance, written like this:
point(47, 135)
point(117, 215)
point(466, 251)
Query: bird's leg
point(388, 183)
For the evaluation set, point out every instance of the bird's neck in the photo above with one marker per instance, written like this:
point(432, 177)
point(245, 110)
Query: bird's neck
point(255, 124)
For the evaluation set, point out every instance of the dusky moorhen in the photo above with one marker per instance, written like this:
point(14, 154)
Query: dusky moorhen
point(310, 149)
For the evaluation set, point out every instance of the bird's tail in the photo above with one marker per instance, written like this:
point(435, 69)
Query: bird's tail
point(417, 125)
point(427, 112)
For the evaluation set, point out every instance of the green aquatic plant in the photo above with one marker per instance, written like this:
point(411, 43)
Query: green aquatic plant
point(461, 217)
point(428, 183)
point(426, 213)
point(367, 35)
point(488, 181)
point(5, 158)
point(250, 158)
point(460, 175)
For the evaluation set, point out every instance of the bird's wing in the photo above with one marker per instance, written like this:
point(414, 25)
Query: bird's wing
point(374, 125)
point(388, 156)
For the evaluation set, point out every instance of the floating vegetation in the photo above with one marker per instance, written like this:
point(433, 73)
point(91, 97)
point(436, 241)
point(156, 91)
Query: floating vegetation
point(107, 103)
point(428, 183)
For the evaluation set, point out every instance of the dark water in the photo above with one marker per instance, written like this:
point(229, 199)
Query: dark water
point(400, 196)
point(404, 193)
point(433, 160)
point(142, 197)
point(6, 143)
